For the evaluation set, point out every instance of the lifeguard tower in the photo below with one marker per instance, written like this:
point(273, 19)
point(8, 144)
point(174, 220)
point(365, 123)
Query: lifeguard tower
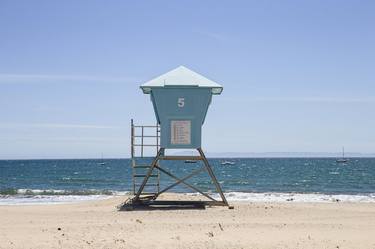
point(180, 99)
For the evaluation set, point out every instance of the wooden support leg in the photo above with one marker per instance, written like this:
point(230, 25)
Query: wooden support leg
point(212, 175)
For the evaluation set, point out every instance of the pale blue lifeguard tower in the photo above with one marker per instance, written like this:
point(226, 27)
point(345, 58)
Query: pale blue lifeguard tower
point(180, 98)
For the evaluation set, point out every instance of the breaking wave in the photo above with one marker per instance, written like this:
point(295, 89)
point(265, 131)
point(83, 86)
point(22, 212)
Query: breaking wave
point(52, 196)
point(32, 192)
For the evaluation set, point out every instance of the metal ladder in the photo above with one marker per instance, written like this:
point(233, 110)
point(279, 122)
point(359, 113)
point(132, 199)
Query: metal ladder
point(143, 139)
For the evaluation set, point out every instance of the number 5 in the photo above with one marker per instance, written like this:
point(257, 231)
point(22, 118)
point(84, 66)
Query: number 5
point(181, 102)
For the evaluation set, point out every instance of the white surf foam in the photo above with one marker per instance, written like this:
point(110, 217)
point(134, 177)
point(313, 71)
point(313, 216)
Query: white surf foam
point(55, 196)
point(231, 196)
point(296, 197)
point(48, 199)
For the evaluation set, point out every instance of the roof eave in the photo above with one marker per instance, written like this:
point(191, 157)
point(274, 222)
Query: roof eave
point(214, 90)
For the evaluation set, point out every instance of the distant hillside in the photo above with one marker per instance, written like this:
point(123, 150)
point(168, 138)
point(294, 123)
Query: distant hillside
point(279, 154)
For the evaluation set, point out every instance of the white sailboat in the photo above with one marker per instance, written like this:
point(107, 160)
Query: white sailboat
point(343, 159)
point(227, 163)
point(190, 160)
point(102, 161)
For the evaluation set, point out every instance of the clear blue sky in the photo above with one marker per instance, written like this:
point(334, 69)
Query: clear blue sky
point(297, 75)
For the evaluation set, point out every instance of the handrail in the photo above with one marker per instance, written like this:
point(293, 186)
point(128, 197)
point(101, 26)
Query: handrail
point(143, 136)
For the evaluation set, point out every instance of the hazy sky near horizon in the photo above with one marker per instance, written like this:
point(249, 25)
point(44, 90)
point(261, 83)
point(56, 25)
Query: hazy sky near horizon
point(298, 75)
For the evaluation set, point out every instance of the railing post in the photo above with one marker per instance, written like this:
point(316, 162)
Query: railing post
point(132, 151)
point(142, 142)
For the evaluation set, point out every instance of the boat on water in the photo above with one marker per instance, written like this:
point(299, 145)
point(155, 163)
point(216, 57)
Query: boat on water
point(342, 159)
point(102, 161)
point(227, 163)
point(191, 160)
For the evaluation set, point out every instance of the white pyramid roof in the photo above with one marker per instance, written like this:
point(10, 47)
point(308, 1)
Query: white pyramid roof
point(181, 76)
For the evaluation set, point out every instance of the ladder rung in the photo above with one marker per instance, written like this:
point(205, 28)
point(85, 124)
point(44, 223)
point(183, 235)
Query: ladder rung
point(145, 136)
point(154, 145)
point(143, 157)
point(145, 175)
point(142, 166)
point(145, 126)
point(148, 184)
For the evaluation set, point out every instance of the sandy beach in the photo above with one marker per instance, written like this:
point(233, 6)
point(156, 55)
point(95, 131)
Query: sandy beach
point(98, 224)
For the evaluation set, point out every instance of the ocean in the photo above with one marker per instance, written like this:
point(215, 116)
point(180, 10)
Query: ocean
point(249, 179)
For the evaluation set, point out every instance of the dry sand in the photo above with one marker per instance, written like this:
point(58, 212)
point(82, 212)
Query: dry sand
point(98, 224)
